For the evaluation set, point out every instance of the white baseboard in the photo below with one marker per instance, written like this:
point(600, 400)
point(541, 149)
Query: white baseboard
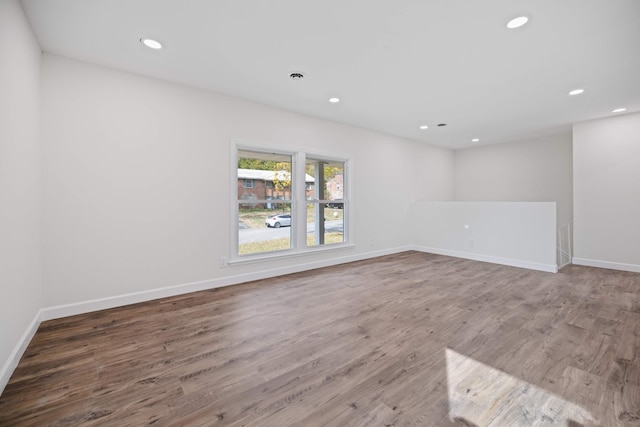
point(549, 268)
point(82, 307)
point(634, 268)
point(15, 356)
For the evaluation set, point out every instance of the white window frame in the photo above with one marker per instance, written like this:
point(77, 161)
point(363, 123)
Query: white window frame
point(298, 204)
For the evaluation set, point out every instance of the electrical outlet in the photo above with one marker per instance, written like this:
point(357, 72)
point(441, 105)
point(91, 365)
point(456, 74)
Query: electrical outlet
point(472, 243)
point(224, 262)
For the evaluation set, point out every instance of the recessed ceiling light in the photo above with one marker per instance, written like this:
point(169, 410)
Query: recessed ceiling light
point(618, 110)
point(576, 92)
point(334, 100)
point(151, 43)
point(517, 22)
point(423, 127)
point(475, 140)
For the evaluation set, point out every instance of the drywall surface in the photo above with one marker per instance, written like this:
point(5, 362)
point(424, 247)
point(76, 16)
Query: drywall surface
point(521, 234)
point(20, 182)
point(137, 181)
point(538, 170)
point(606, 159)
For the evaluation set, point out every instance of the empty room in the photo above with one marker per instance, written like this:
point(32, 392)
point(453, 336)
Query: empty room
point(336, 213)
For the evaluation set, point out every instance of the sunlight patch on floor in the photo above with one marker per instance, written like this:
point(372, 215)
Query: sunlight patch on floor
point(480, 395)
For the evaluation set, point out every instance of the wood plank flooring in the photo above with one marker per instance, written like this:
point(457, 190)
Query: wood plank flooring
point(410, 339)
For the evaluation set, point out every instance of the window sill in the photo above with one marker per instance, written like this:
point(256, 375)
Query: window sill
point(271, 256)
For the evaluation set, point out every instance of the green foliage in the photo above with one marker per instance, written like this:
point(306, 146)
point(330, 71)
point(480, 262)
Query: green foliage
point(329, 171)
point(282, 177)
point(257, 164)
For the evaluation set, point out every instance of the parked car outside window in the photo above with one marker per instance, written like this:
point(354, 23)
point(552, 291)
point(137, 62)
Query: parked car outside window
point(279, 220)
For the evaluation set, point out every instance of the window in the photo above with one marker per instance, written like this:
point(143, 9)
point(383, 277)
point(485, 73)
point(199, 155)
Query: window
point(301, 206)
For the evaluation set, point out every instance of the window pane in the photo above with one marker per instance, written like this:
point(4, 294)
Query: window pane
point(262, 230)
point(264, 202)
point(325, 225)
point(263, 176)
point(327, 178)
point(325, 212)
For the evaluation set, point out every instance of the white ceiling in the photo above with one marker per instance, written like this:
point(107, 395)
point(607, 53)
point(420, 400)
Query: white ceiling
point(395, 64)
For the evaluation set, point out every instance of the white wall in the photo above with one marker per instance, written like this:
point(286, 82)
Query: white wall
point(538, 170)
point(521, 234)
point(606, 159)
point(20, 183)
point(136, 180)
